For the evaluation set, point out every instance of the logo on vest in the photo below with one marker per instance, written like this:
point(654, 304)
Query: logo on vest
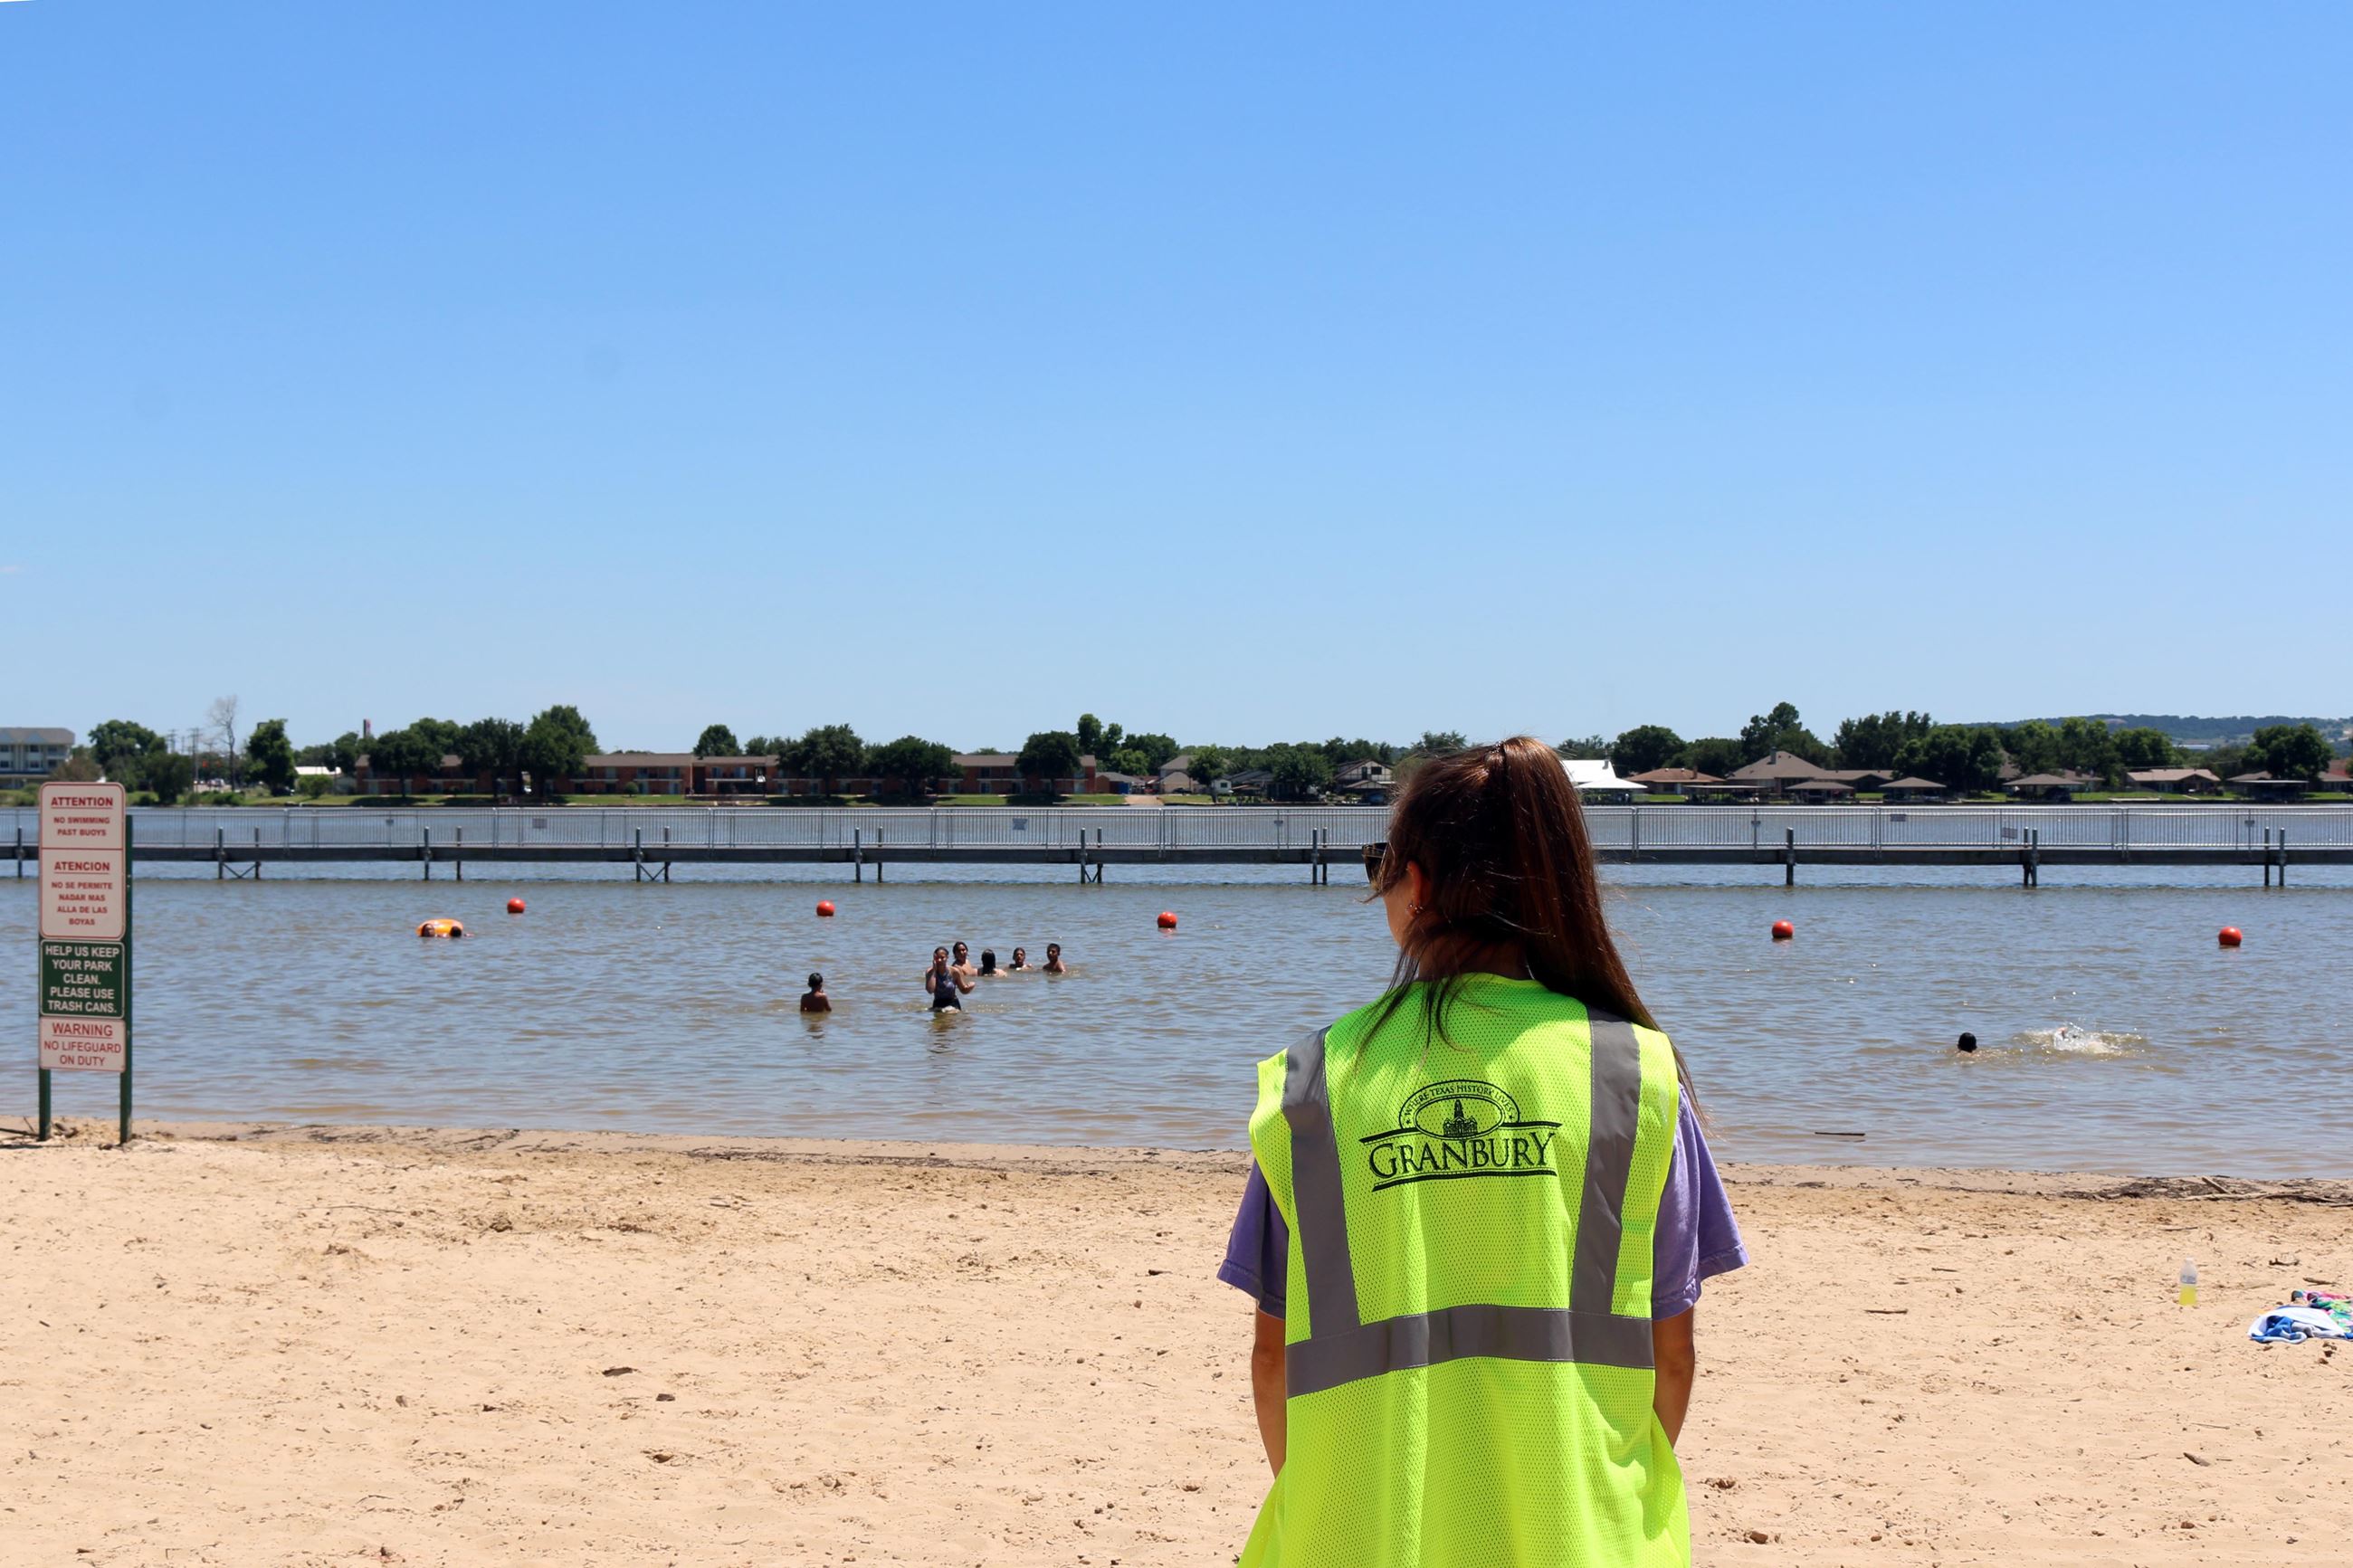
point(1463, 1127)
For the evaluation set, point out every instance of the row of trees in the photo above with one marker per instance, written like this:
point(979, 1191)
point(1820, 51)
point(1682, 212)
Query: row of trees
point(1961, 756)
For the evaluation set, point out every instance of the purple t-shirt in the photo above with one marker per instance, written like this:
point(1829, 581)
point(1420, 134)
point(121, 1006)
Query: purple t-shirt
point(1696, 1238)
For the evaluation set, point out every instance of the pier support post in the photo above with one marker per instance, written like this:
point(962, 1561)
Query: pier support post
point(2283, 853)
point(2267, 857)
point(429, 855)
point(2029, 860)
point(1788, 857)
point(257, 854)
point(20, 854)
point(879, 833)
point(220, 854)
point(462, 852)
point(858, 855)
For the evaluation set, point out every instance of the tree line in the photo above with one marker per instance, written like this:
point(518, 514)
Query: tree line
point(554, 744)
point(1965, 756)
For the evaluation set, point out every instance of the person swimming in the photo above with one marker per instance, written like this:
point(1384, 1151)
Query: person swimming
point(1020, 962)
point(944, 983)
point(964, 961)
point(815, 1000)
point(1966, 1044)
point(988, 970)
point(1054, 959)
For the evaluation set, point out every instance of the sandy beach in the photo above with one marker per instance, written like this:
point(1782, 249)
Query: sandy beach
point(243, 1345)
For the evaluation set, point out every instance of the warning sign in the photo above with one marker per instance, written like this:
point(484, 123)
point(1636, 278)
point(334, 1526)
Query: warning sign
point(84, 1045)
point(85, 929)
point(82, 817)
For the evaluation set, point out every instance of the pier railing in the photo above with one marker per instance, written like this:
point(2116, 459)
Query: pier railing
point(1619, 831)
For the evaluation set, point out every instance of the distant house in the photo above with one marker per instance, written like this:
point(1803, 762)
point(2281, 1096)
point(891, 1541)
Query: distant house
point(999, 773)
point(2174, 781)
point(1773, 776)
point(448, 777)
point(1860, 779)
point(637, 773)
point(735, 775)
point(1251, 784)
point(1675, 781)
point(1176, 776)
point(2265, 786)
point(2046, 786)
point(1365, 781)
point(2339, 776)
point(1821, 791)
point(1911, 791)
point(27, 757)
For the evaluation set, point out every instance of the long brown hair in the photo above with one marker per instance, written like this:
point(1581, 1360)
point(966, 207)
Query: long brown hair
point(1500, 836)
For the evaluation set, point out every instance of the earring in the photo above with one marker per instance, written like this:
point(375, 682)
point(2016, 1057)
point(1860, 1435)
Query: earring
point(1413, 910)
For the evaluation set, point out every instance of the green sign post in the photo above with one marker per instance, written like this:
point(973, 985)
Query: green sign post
point(84, 992)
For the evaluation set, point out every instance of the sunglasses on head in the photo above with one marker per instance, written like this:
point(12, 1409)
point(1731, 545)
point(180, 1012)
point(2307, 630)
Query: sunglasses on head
point(1373, 853)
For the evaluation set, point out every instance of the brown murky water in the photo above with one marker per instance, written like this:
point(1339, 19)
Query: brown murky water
point(2117, 1036)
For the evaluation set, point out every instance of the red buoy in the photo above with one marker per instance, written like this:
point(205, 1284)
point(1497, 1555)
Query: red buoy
point(1168, 920)
point(2229, 936)
point(514, 906)
point(1783, 930)
point(825, 909)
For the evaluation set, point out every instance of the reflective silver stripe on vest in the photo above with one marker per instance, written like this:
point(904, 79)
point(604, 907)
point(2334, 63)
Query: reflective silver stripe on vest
point(1340, 1348)
point(1454, 1334)
point(1617, 1101)
point(1315, 1188)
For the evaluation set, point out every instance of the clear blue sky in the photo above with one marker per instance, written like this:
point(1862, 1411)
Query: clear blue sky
point(1239, 371)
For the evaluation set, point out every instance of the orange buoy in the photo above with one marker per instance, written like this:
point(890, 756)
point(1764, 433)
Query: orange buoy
point(2229, 936)
point(1783, 930)
point(1168, 920)
point(514, 906)
point(441, 926)
point(825, 909)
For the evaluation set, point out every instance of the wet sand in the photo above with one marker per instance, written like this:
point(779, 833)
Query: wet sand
point(238, 1345)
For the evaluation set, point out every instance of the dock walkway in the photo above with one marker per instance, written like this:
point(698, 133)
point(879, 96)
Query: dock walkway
point(653, 838)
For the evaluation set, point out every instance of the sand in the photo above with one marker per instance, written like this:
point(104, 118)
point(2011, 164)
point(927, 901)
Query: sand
point(244, 1346)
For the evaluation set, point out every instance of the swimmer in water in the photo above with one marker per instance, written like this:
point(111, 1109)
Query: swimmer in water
point(815, 1000)
point(988, 970)
point(1020, 964)
point(1966, 1044)
point(964, 961)
point(1054, 959)
point(944, 983)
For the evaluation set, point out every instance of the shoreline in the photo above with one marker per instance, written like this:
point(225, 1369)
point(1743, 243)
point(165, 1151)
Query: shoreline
point(1081, 1159)
point(305, 1344)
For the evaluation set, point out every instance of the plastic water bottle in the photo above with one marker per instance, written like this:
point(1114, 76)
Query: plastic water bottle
point(2188, 1297)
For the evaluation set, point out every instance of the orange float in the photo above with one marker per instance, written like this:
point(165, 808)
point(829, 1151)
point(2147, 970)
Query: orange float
point(1168, 920)
point(1783, 930)
point(441, 926)
point(825, 909)
point(515, 906)
point(2229, 936)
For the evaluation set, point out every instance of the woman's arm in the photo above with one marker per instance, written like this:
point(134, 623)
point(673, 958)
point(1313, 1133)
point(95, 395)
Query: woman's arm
point(963, 984)
point(1267, 1387)
point(1677, 1361)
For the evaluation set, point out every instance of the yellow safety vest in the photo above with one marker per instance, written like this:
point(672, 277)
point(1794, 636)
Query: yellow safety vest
point(1468, 1335)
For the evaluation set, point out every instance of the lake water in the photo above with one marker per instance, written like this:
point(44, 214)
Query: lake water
point(2117, 1036)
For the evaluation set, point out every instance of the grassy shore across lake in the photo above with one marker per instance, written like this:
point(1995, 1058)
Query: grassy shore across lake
point(313, 1345)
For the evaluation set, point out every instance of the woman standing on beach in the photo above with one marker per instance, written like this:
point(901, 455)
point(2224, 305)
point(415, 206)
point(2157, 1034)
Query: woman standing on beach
point(1452, 1366)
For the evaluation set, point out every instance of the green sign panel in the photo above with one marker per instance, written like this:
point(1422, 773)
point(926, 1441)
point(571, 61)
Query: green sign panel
point(85, 980)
